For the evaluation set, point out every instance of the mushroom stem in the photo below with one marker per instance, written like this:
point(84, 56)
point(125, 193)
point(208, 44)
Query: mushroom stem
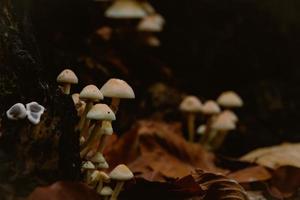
point(89, 105)
point(115, 102)
point(208, 132)
point(117, 190)
point(102, 143)
point(96, 132)
point(66, 88)
point(191, 126)
point(88, 175)
point(100, 186)
point(218, 140)
point(85, 129)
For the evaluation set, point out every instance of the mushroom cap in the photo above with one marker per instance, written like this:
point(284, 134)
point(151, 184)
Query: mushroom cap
point(191, 104)
point(17, 111)
point(90, 92)
point(121, 172)
point(230, 99)
point(231, 115)
point(117, 88)
point(101, 111)
point(35, 107)
point(98, 158)
point(210, 107)
point(125, 9)
point(103, 165)
point(103, 176)
point(67, 76)
point(222, 123)
point(106, 191)
point(88, 165)
point(151, 23)
point(147, 7)
point(201, 129)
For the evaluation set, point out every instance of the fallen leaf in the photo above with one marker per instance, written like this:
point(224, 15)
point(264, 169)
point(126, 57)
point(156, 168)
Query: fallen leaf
point(251, 174)
point(277, 156)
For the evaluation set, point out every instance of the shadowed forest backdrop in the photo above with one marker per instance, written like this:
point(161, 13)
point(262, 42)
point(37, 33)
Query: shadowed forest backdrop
point(208, 46)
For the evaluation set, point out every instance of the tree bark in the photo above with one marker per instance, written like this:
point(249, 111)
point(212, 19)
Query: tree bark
point(31, 155)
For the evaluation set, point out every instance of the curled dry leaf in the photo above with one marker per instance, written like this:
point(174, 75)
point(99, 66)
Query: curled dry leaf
point(158, 148)
point(274, 157)
point(217, 186)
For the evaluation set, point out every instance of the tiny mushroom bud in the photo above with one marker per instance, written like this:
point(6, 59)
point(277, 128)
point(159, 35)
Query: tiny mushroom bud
point(201, 129)
point(191, 105)
point(117, 89)
point(17, 111)
point(121, 173)
point(103, 116)
point(66, 78)
point(34, 112)
point(230, 99)
point(89, 94)
point(125, 9)
point(106, 192)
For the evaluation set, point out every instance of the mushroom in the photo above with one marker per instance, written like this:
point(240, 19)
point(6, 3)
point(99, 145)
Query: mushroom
point(34, 112)
point(106, 192)
point(191, 105)
point(79, 104)
point(201, 129)
point(147, 7)
point(117, 89)
point(125, 9)
point(102, 178)
point(230, 99)
point(151, 23)
point(231, 115)
point(88, 167)
point(121, 173)
point(210, 108)
point(103, 116)
point(17, 111)
point(66, 78)
point(222, 124)
point(89, 94)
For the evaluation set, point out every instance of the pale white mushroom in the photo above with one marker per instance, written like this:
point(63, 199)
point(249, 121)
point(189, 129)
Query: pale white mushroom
point(89, 94)
point(16, 112)
point(151, 23)
point(201, 129)
point(191, 105)
point(66, 78)
point(117, 89)
point(79, 104)
point(121, 174)
point(34, 112)
point(103, 116)
point(106, 192)
point(230, 99)
point(231, 115)
point(125, 9)
point(89, 168)
point(210, 107)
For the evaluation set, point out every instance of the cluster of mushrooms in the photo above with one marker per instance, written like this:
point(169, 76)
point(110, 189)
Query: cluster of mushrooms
point(217, 122)
point(95, 126)
point(150, 21)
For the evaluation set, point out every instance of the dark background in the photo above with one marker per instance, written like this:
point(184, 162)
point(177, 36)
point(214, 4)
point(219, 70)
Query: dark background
point(208, 46)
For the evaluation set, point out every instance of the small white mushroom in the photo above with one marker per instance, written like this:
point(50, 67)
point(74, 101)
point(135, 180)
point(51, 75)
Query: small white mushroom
point(125, 9)
point(121, 173)
point(117, 89)
point(230, 99)
point(191, 105)
point(106, 192)
point(66, 78)
point(34, 112)
point(17, 111)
